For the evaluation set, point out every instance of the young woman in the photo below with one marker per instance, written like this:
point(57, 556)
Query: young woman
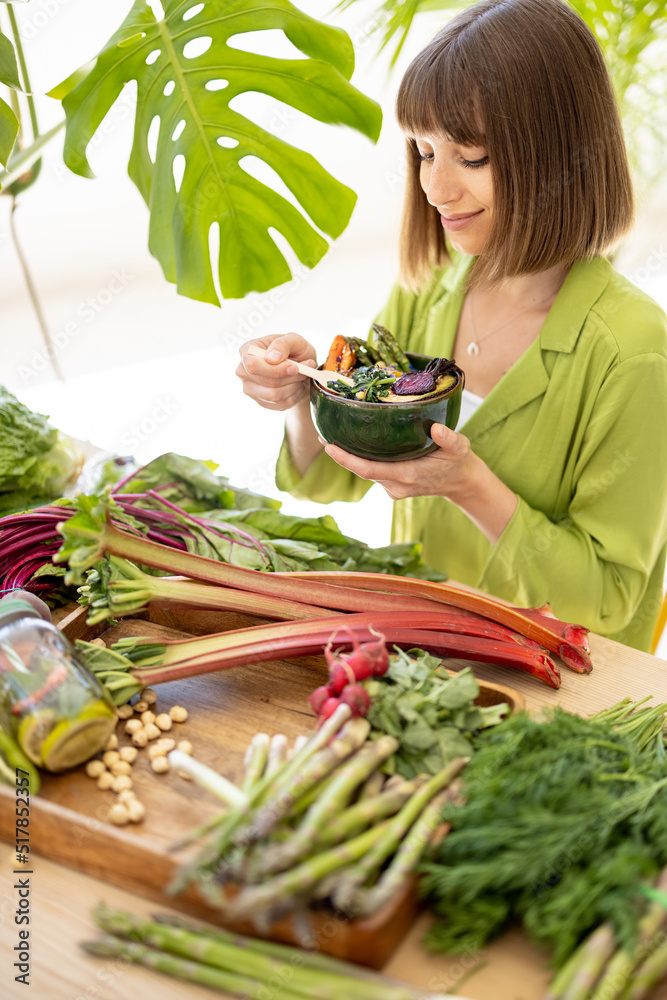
point(554, 487)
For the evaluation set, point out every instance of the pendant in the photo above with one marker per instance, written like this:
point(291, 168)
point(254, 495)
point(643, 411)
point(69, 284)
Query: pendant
point(472, 348)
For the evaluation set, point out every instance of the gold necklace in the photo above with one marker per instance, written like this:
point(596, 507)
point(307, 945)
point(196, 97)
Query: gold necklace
point(473, 347)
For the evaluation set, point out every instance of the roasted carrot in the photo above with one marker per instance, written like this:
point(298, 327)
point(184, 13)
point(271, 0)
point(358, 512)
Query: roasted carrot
point(341, 356)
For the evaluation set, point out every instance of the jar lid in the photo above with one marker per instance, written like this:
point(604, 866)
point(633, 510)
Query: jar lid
point(13, 608)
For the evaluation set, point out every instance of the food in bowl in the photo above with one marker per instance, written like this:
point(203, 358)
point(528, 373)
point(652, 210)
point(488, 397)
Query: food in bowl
point(395, 398)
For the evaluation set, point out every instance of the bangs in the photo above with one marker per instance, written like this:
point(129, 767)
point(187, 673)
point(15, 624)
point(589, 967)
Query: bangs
point(440, 96)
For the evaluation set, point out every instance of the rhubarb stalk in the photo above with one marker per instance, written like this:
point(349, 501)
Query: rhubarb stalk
point(548, 631)
point(191, 657)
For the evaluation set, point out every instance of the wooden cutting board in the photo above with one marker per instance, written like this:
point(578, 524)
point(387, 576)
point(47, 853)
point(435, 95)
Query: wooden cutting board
point(70, 817)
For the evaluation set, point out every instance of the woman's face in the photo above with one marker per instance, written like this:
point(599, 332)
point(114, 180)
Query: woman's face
point(457, 181)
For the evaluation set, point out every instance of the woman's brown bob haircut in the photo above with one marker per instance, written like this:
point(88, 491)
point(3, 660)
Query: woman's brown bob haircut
point(526, 80)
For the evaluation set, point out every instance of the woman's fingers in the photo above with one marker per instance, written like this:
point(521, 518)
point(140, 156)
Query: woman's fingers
point(452, 445)
point(362, 467)
point(268, 374)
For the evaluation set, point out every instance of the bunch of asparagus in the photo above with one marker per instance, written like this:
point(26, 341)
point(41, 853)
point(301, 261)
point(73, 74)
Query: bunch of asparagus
point(321, 825)
point(237, 966)
point(601, 970)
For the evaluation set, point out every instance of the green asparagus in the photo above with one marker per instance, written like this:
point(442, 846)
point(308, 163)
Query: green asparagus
point(244, 967)
point(191, 972)
point(277, 893)
point(650, 973)
point(329, 804)
point(255, 761)
point(588, 961)
point(362, 351)
point(230, 956)
point(366, 811)
point(263, 820)
point(389, 348)
point(592, 959)
point(397, 828)
point(404, 861)
point(219, 834)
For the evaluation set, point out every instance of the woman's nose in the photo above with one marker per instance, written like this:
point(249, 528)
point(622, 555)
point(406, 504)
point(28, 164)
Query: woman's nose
point(441, 187)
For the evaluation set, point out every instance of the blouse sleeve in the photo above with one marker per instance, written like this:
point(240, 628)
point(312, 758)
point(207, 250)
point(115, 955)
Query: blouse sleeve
point(599, 557)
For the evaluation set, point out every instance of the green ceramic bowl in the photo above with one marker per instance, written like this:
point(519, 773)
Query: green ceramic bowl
point(385, 432)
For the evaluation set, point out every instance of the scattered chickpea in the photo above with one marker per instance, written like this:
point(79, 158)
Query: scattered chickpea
point(94, 768)
point(110, 757)
point(178, 713)
point(164, 722)
point(155, 750)
point(127, 795)
point(160, 765)
point(152, 731)
point(119, 814)
point(185, 746)
point(98, 642)
point(140, 706)
point(136, 810)
point(124, 711)
point(120, 767)
point(149, 695)
point(139, 738)
point(111, 743)
point(121, 782)
point(184, 774)
point(129, 754)
point(105, 780)
point(166, 744)
point(147, 717)
point(133, 726)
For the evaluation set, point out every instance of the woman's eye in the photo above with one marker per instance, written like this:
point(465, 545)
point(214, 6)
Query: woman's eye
point(475, 164)
point(425, 156)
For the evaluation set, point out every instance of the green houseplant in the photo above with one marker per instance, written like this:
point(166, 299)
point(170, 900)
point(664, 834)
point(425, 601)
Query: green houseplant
point(187, 75)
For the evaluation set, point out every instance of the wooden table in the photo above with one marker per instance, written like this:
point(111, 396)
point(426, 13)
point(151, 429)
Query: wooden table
point(509, 969)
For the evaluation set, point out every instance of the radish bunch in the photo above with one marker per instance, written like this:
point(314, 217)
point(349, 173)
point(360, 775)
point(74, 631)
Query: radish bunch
point(346, 672)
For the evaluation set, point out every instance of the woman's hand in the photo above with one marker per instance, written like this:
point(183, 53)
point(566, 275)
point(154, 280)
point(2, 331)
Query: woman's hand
point(447, 472)
point(271, 381)
point(452, 471)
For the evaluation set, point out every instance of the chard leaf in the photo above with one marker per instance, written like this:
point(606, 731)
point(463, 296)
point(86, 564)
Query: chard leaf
point(83, 536)
point(193, 486)
point(305, 529)
point(177, 86)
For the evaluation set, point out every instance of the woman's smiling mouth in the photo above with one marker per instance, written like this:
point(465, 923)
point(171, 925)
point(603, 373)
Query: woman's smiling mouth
point(456, 222)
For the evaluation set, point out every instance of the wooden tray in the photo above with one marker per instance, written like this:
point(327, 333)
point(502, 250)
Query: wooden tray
point(69, 819)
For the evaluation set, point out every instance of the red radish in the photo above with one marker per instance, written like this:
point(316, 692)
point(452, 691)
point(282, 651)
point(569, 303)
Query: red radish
point(328, 708)
point(357, 697)
point(318, 698)
point(365, 660)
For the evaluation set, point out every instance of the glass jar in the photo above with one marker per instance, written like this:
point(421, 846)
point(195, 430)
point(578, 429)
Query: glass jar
point(50, 704)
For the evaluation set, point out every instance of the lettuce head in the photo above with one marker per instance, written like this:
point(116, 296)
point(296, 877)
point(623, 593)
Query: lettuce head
point(37, 462)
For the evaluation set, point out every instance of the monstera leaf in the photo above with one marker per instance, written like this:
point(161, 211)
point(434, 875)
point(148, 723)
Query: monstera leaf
point(191, 96)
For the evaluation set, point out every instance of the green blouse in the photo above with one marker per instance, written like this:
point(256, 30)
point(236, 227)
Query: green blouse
point(577, 428)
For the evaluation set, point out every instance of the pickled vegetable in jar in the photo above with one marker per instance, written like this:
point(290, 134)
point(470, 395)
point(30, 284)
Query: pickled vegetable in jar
point(50, 704)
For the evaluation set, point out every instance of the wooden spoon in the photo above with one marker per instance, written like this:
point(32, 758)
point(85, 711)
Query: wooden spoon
point(323, 377)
